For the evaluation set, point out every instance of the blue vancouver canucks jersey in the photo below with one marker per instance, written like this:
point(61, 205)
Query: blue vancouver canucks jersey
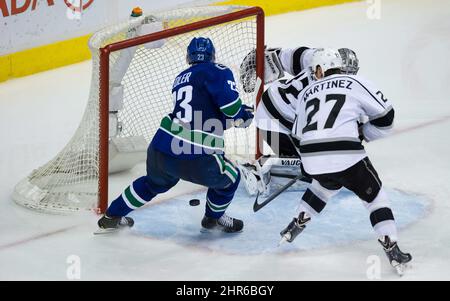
point(206, 100)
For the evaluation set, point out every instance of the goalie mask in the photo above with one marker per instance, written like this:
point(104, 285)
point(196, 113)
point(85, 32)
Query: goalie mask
point(200, 50)
point(350, 61)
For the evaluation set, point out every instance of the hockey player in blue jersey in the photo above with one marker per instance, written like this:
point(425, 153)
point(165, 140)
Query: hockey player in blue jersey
point(189, 143)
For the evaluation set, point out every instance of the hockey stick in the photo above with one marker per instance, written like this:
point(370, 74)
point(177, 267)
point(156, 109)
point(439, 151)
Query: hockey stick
point(257, 206)
point(286, 176)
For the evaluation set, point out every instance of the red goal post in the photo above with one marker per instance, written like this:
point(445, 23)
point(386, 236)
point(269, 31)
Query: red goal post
point(117, 46)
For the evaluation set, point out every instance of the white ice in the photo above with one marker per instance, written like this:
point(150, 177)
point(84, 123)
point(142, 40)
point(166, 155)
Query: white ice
point(405, 53)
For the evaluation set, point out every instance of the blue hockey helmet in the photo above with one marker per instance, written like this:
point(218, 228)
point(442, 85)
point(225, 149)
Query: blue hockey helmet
point(200, 50)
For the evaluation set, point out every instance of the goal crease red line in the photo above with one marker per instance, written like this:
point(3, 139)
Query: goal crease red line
point(36, 237)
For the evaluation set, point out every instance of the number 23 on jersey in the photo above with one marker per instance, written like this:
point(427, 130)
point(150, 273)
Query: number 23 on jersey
point(183, 97)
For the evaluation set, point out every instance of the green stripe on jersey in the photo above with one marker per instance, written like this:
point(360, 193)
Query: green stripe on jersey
point(195, 137)
point(233, 108)
point(227, 168)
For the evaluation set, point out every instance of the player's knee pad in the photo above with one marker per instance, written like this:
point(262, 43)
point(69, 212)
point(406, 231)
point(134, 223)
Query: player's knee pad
point(315, 198)
point(381, 216)
point(220, 196)
point(380, 200)
point(324, 193)
point(370, 192)
point(159, 183)
point(369, 185)
point(224, 174)
point(231, 187)
point(144, 188)
point(311, 203)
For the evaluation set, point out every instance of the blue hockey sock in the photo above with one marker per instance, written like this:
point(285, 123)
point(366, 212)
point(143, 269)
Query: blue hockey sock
point(218, 200)
point(133, 197)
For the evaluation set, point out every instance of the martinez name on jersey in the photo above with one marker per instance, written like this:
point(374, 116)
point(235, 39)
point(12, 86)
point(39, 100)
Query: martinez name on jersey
point(333, 133)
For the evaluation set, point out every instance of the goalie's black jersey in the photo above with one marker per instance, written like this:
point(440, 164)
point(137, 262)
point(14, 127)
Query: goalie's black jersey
point(276, 111)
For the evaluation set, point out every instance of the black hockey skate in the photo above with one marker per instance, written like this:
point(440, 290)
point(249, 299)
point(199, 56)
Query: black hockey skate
point(224, 223)
point(108, 224)
point(295, 227)
point(397, 258)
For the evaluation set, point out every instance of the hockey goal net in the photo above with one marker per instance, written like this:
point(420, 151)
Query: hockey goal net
point(133, 67)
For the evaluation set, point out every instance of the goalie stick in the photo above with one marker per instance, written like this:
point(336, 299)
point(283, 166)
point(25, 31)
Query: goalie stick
point(257, 206)
point(287, 176)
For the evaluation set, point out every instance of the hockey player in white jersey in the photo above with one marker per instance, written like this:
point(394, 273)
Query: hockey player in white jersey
point(275, 114)
point(327, 125)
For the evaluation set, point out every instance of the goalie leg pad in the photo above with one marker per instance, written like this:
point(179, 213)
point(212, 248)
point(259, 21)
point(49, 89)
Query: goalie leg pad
point(255, 180)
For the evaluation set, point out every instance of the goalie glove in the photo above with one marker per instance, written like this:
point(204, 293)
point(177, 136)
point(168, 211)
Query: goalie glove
point(273, 68)
point(247, 71)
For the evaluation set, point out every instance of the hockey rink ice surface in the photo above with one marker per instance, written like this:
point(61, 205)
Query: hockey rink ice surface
point(405, 52)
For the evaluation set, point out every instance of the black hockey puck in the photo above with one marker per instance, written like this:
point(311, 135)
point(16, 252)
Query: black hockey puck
point(194, 202)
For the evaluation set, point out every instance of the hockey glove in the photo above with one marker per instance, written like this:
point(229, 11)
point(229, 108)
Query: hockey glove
point(247, 72)
point(244, 118)
point(273, 68)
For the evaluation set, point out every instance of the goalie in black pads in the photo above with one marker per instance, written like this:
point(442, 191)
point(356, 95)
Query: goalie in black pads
point(327, 124)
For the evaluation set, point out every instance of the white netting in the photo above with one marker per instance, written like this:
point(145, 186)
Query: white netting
point(69, 182)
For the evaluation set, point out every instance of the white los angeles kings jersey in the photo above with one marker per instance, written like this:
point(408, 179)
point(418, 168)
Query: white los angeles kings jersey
point(327, 122)
point(276, 111)
point(295, 60)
